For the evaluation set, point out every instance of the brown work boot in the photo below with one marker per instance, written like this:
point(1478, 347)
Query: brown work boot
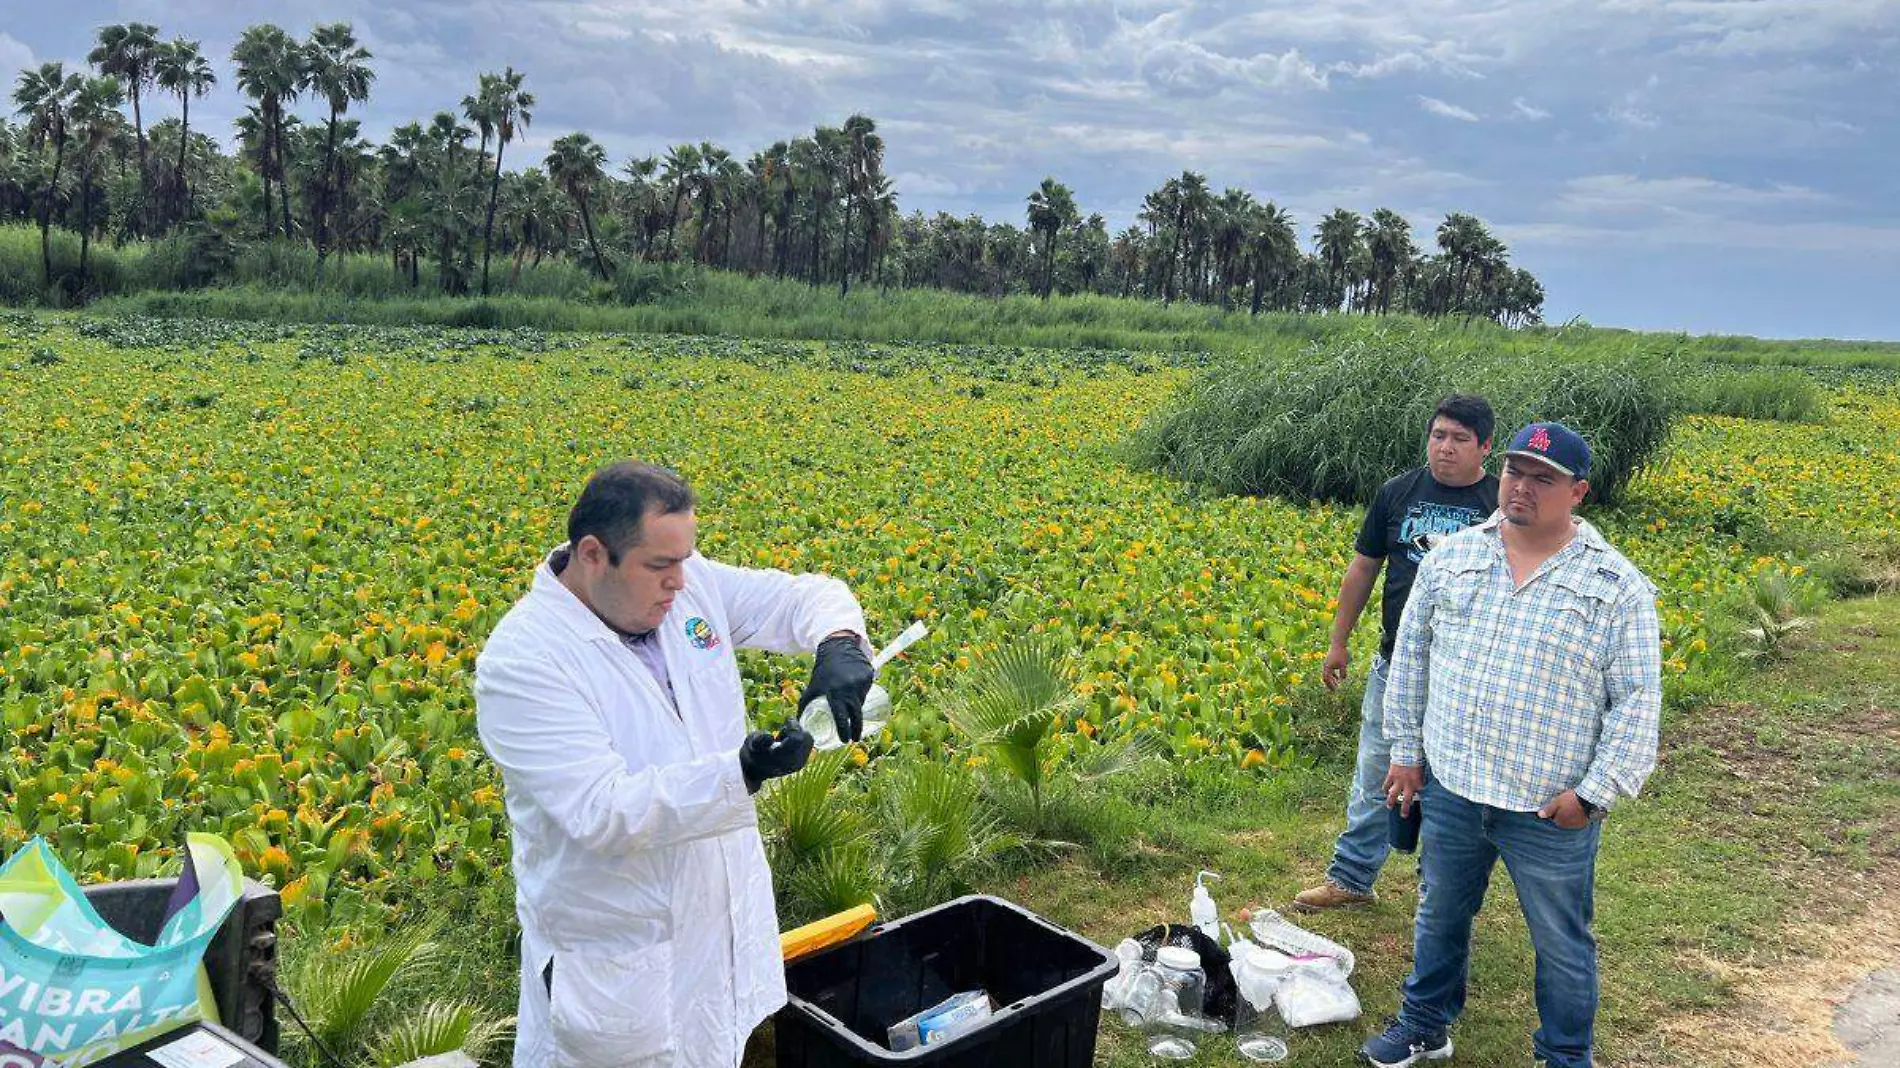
point(1329, 895)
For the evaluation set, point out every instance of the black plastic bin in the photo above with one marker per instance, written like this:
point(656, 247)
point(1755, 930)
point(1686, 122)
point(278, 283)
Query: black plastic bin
point(1047, 983)
point(241, 961)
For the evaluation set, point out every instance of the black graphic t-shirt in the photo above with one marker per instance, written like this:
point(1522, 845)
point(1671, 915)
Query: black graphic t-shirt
point(1406, 510)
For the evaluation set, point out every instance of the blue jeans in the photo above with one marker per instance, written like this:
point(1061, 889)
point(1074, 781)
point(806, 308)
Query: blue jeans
point(1361, 849)
point(1554, 871)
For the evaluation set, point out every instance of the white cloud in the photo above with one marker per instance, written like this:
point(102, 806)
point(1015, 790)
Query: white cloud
point(1184, 68)
point(14, 55)
point(927, 185)
point(1626, 193)
point(1635, 118)
point(1524, 110)
point(1837, 239)
point(1449, 111)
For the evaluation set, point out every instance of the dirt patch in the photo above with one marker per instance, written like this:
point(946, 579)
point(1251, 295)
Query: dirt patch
point(1785, 1013)
point(1869, 720)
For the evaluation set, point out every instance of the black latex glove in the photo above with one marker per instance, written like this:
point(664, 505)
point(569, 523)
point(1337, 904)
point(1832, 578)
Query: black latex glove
point(842, 676)
point(767, 756)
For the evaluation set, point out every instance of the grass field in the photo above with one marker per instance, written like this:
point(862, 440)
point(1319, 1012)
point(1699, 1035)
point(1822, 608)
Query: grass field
point(245, 569)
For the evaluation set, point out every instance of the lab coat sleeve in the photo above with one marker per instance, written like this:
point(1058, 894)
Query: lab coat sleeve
point(783, 613)
point(553, 750)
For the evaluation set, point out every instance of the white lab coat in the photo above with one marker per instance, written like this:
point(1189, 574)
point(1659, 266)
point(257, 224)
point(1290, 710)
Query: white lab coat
point(639, 869)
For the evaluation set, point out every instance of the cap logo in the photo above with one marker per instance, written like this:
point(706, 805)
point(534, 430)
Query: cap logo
point(1540, 440)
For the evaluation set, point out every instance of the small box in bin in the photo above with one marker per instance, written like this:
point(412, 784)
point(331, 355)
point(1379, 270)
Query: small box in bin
point(1046, 982)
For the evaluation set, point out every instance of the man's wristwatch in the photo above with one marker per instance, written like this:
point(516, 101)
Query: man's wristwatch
point(1589, 809)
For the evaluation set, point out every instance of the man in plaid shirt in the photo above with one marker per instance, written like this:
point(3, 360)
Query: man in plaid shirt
point(1528, 676)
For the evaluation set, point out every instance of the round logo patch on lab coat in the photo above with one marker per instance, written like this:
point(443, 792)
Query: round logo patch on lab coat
point(700, 633)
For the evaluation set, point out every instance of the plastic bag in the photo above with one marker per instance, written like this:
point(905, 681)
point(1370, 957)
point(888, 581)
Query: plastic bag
point(78, 990)
point(1219, 1001)
point(1308, 973)
point(1316, 993)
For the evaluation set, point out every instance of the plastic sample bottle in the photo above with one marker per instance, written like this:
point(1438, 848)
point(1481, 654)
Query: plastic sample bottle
point(1202, 910)
point(816, 717)
point(1178, 1003)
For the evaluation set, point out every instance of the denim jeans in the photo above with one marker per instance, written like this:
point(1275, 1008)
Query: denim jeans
point(1361, 850)
point(1554, 871)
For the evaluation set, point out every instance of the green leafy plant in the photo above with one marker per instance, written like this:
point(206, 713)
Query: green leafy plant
point(340, 991)
point(437, 1028)
point(1771, 618)
point(1009, 712)
point(942, 838)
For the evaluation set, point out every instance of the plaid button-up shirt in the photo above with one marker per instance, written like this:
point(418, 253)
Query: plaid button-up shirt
point(1514, 694)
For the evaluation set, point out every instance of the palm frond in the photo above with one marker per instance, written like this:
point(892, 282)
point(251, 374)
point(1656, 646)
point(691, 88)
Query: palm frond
point(838, 879)
point(440, 1027)
point(802, 817)
point(342, 990)
point(1097, 762)
point(1011, 704)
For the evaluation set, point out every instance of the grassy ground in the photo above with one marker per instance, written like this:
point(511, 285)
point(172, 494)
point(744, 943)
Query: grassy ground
point(1778, 805)
point(1770, 834)
point(1743, 892)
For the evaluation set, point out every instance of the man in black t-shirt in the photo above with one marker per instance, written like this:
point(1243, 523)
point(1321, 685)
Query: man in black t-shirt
point(1451, 492)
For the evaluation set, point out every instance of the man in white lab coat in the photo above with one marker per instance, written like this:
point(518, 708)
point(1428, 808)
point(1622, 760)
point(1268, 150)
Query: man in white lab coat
point(610, 698)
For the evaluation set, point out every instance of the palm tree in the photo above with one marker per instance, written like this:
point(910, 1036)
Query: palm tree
point(785, 182)
point(270, 70)
point(1471, 253)
point(1276, 252)
point(507, 106)
point(1391, 251)
point(715, 164)
point(1337, 243)
point(577, 164)
point(179, 68)
point(532, 212)
point(448, 212)
point(1189, 196)
point(128, 52)
point(730, 186)
point(758, 183)
point(682, 163)
point(44, 98)
point(1051, 209)
point(645, 202)
point(822, 168)
point(336, 68)
point(863, 162)
point(878, 207)
point(402, 172)
point(95, 120)
point(1232, 214)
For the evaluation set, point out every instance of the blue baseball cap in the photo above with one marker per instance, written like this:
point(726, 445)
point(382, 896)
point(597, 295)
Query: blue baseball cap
point(1554, 444)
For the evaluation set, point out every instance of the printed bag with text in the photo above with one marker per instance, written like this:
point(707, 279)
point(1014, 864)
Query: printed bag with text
point(72, 989)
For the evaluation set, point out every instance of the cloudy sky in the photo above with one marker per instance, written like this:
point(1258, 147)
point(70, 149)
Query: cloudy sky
point(1707, 165)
